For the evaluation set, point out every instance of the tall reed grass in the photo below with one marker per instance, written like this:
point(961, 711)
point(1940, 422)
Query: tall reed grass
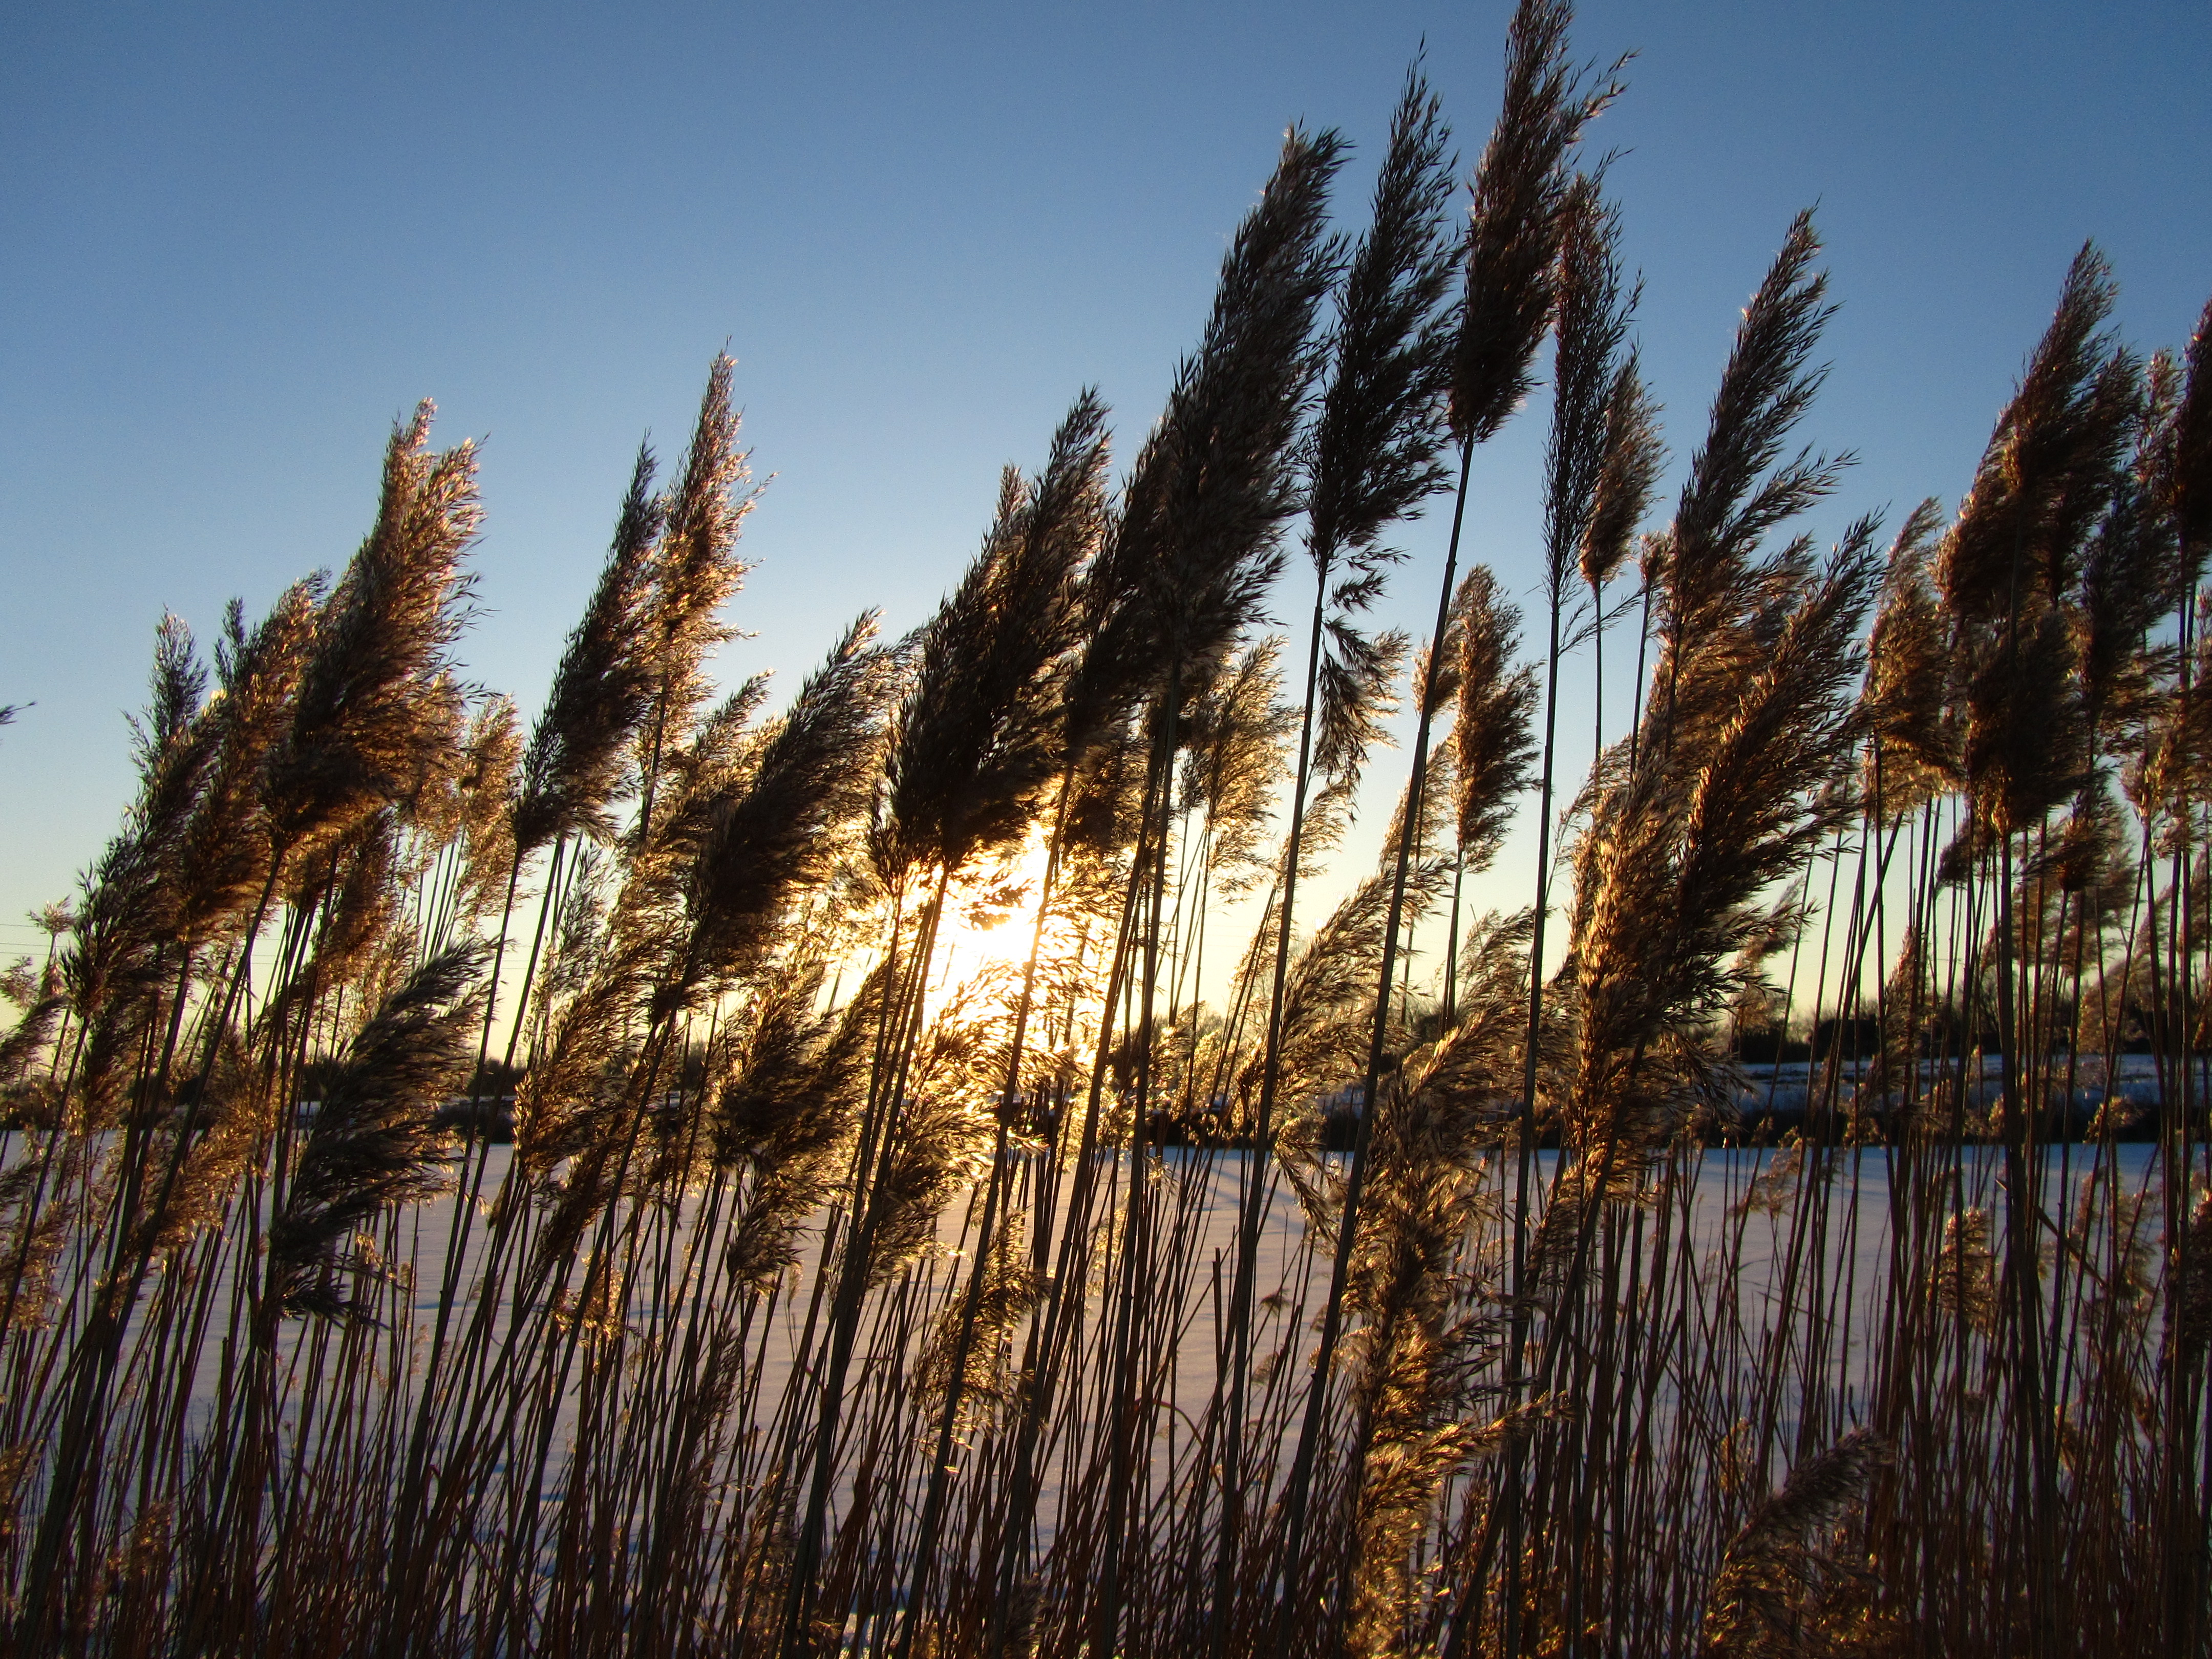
point(580, 1191)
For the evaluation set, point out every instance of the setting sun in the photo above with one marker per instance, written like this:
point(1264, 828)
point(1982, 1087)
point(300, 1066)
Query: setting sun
point(990, 920)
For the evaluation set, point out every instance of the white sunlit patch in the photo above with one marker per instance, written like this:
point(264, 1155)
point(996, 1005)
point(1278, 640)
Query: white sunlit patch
point(990, 921)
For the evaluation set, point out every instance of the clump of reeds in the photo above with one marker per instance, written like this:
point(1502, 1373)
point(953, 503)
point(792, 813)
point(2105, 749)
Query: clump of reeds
point(783, 1281)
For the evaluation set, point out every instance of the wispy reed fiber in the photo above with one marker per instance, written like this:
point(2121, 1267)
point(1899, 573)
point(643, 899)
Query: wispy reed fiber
point(376, 675)
point(373, 1146)
point(605, 688)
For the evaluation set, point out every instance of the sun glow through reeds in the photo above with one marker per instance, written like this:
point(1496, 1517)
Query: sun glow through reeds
point(991, 922)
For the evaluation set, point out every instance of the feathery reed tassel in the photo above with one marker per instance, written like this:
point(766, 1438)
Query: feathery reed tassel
point(1627, 478)
point(1237, 736)
point(1376, 445)
point(1697, 840)
point(377, 675)
point(603, 690)
point(372, 1144)
point(1010, 1289)
point(1909, 694)
point(2050, 467)
point(236, 1110)
point(1195, 548)
point(978, 735)
point(1761, 1593)
point(1520, 192)
point(2131, 577)
point(1592, 324)
point(2179, 477)
point(2027, 734)
point(787, 1111)
point(565, 1102)
point(1493, 742)
point(32, 1031)
point(117, 969)
point(694, 570)
point(223, 856)
point(1739, 488)
point(772, 834)
point(1493, 745)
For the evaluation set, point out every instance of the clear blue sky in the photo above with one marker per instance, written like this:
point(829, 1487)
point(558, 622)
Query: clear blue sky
point(236, 242)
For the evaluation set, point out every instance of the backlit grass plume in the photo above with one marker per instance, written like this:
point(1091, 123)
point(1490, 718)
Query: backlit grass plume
point(1377, 441)
point(695, 569)
point(978, 734)
point(771, 834)
point(372, 1146)
point(376, 671)
point(1764, 1595)
point(1692, 841)
point(1521, 188)
point(223, 852)
point(2049, 469)
point(1628, 476)
point(1493, 746)
point(1911, 694)
point(1216, 483)
point(604, 689)
point(786, 1112)
point(1740, 487)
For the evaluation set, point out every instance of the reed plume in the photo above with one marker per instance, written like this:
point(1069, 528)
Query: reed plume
point(694, 570)
point(565, 1104)
point(223, 856)
point(1758, 1603)
point(977, 735)
point(1521, 190)
point(1697, 840)
point(119, 964)
point(1376, 442)
point(33, 1030)
point(1493, 745)
point(2049, 469)
point(1740, 487)
point(1196, 546)
point(376, 678)
point(770, 835)
point(1632, 458)
point(605, 688)
point(1627, 482)
point(1237, 735)
point(1592, 324)
point(1912, 693)
point(787, 1111)
point(373, 1146)
point(236, 1111)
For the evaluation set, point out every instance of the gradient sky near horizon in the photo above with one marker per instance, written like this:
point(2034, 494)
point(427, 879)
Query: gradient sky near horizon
point(240, 241)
